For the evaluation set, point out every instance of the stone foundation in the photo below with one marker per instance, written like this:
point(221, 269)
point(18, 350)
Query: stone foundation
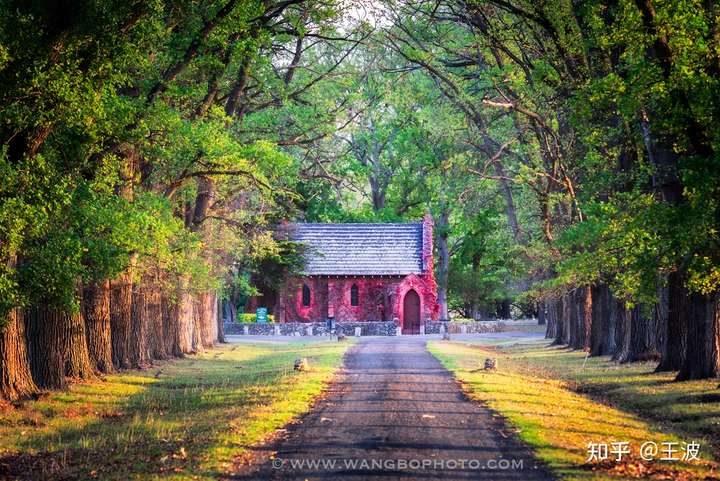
point(366, 328)
point(477, 327)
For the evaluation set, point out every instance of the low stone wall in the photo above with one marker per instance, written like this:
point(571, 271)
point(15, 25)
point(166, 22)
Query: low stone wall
point(477, 327)
point(368, 328)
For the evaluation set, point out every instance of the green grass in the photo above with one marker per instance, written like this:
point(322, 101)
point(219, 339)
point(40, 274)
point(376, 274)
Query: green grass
point(186, 419)
point(558, 406)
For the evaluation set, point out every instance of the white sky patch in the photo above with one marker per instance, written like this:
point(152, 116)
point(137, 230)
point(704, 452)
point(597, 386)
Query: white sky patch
point(372, 12)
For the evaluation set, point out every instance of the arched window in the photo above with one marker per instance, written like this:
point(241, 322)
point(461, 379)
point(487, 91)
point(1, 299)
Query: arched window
point(354, 295)
point(305, 295)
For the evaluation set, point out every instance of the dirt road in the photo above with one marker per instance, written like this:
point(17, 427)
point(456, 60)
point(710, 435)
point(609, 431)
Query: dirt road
point(396, 413)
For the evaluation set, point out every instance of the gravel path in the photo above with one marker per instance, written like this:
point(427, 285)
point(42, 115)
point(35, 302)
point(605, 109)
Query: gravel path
point(395, 413)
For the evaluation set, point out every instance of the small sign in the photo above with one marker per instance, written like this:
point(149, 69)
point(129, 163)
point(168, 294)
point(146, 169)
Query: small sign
point(261, 314)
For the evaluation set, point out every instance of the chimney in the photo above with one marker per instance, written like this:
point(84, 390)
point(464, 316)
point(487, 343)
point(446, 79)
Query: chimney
point(427, 247)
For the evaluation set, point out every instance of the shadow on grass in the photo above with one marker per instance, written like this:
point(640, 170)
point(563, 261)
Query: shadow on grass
point(689, 410)
point(169, 426)
point(558, 421)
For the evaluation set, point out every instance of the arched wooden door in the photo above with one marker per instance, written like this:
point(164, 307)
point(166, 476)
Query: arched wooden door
point(411, 313)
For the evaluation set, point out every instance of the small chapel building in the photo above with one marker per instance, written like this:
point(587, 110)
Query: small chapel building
point(362, 272)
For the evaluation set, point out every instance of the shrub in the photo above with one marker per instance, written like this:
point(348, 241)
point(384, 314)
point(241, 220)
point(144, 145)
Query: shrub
point(246, 317)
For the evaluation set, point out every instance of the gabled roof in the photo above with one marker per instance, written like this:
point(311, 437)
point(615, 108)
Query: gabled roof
point(361, 249)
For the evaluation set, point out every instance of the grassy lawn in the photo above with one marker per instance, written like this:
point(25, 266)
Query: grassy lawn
point(559, 402)
point(185, 419)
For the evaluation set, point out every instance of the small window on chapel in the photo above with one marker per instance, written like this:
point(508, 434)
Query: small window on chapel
point(305, 295)
point(354, 295)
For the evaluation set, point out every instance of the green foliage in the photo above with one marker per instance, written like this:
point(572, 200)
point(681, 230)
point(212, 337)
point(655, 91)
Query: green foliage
point(603, 108)
point(172, 138)
point(246, 317)
point(106, 156)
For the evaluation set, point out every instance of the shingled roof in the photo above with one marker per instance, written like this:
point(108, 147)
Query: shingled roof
point(361, 249)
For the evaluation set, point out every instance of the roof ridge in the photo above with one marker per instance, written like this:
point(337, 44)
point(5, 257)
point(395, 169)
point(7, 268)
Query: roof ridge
point(356, 223)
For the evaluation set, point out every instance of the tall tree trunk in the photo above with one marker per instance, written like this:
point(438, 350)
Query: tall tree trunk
point(542, 313)
point(96, 311)
point(232, 305)
point(197, 328)
point(586, 311)
point(155, 328)
point(575, 322)
point(121, 319)
point(207, 315)
point(220, 320)
point(503, 309)
point(171, 325)
point(703, 338)
point(600, 320)
point(44, 330)
point(57, 346)
point(674, 311)
point(77, 358)
point(621, 324)
point(624, 350)
point(640, 340)
point(185, 322)
point(606, 314)
point(562, 320)
point(510, 210)
point(553, 323)
point(16, 380)
point(139, 352)
point(442, 227)
point(615, 311)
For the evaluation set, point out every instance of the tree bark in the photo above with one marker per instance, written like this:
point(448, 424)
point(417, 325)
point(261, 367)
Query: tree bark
point(586, 310)
point(600, 320)
point(615, 310)
point(197, 320)
point(552, 329)
point(444, 261)
point(575, 322)
point(606, 311)
point(620, 325)
point(207, 318)
point(120, 319)
point(624, 350)
point(639, 341)
point(155, 326)
point(220, 321)
point(561, 314)
point(565, 319)
point(703, 338)
point(541, 313)
point(503, 309)
point(45, 350)
point(139, 352)
point(673, 313)
point(96, 311)
point(232, 309)
point(57, 346)
point(171, 325)
point(16, 380)
point(510, 210)
point(185, 322)
point(77, 358)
